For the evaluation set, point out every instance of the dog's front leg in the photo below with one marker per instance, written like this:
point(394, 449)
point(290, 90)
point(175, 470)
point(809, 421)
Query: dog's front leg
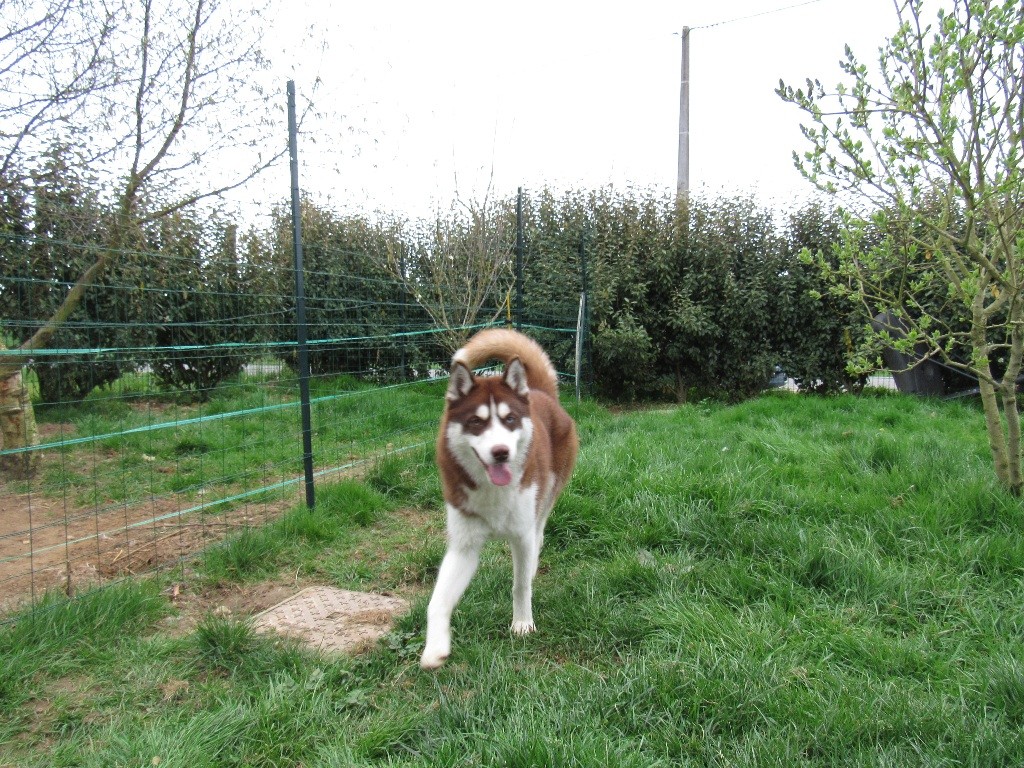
point(457, 568)
point(525, 557)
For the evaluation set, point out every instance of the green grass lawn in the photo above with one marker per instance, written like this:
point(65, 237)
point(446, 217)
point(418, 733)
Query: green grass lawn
point(789, 581)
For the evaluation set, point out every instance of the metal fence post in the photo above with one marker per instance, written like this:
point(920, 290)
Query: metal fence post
point(403, 357)
point(587, 348)
point(519, 259)
point(302, 330)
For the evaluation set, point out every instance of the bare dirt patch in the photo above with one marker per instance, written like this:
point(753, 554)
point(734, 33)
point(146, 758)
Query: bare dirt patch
point(51, 544)
point(234, 601)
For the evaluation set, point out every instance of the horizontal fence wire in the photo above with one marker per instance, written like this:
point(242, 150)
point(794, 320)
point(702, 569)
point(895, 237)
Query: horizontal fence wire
point(167, 406)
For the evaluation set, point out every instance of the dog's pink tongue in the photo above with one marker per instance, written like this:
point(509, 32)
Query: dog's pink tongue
point(499, 474)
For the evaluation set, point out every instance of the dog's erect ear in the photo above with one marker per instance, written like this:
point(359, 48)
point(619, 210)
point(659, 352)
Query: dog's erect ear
point(515, 377)
point(460, 382)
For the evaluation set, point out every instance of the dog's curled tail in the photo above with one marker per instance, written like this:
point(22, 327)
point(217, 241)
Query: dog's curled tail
point(504, 344)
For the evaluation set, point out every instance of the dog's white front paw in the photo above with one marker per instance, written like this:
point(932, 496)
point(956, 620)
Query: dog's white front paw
point(523, 627)
point(433, 658)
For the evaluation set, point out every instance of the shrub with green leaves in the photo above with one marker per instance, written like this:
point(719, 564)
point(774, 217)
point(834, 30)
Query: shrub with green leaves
point(353, 304)
point(197, 300)
point(818, 331)
point(694, 299)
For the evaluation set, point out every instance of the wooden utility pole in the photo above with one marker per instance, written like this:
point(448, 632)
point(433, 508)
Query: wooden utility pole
point(683, 175)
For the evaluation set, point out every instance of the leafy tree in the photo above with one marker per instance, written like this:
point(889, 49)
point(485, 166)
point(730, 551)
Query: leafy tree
point(932, 143)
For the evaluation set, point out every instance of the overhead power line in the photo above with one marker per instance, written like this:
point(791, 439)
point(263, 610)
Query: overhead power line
point(756, 15)
point(683, 168)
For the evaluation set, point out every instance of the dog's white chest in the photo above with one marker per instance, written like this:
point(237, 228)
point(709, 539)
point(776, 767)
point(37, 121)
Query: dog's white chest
point(506, 512)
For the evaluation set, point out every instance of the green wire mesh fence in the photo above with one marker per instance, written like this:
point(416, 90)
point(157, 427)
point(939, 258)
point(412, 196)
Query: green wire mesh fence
point(166, 407)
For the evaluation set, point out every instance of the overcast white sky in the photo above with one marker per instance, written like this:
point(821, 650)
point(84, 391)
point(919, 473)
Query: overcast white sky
point(435, 96)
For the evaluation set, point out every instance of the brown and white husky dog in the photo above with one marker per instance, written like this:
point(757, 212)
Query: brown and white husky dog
point(505, 451)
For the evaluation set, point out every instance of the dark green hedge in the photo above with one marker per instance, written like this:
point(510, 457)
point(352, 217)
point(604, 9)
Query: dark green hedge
point(703, 299)
point(700, 299)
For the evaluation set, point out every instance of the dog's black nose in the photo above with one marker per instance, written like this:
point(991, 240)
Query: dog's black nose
point(499, 453)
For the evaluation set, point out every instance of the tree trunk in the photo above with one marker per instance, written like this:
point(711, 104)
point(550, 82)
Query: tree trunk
point(17, 417)
point(1000, 444)
point(994, 428)
point(1013, 472)
point(17, 425)
point(1008, 395)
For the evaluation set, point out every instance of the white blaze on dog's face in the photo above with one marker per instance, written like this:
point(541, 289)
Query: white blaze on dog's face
point(489, 428)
